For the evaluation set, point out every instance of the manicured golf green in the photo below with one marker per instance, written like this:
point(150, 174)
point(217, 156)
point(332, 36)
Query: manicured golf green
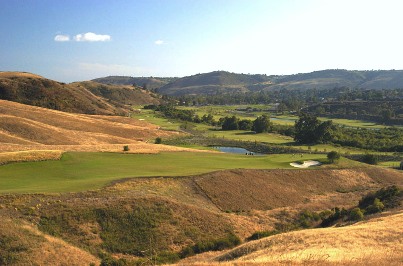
point(79, 171)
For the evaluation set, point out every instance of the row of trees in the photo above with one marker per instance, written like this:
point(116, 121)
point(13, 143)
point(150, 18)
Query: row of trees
point(259, 125)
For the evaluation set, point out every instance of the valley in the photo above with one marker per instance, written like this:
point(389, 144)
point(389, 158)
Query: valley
point(101, 174)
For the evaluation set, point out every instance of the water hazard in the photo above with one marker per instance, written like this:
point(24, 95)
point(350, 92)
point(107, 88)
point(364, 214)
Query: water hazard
point(236, 150)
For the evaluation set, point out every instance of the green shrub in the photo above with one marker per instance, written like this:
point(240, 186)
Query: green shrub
point(356, 214)
point(158, 140)
point(261, 234)
point(126, 148)
point(335, 215)
point(370, 159)
point(390, 197)
point(230, 241)
point(333, 156)
point(377, 206)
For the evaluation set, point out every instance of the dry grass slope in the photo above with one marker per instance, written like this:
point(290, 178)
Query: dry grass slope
point(244, 190)
point(185, 210)
point(25, 127)
point(24, 244)
point(373, 242)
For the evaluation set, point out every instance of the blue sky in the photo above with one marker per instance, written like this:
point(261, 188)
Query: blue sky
point(85, 39)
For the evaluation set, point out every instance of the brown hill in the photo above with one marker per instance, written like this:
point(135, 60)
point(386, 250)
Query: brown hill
point(87, 98)
point(120, 95)
point(25, 127)
point(165, 215)
point(245, 190)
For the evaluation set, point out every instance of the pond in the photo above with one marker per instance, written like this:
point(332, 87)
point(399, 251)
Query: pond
point(236, 150)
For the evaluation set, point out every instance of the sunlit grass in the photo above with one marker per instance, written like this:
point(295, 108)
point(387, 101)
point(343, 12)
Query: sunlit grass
point(79, 171)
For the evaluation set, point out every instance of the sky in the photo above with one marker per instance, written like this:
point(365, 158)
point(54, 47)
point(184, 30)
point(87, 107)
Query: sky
point(85, 39)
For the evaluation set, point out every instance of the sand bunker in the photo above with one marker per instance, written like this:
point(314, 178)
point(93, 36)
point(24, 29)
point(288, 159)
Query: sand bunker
point(306, 164)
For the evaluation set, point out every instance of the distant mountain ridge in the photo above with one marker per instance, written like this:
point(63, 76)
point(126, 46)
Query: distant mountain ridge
point(218, 82)
point(147, 82)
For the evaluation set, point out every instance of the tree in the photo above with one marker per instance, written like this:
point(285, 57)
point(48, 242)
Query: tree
point(262, 124)
point(333, 156)
point(245, 124)
point(308, 129)
point(325, 131)
point(208, 119)
point(305, 128)
point(230, 123)
point(126, 148)
point(158, 140)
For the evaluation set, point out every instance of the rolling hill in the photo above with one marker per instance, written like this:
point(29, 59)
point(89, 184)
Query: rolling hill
point(218, 82)
point(119, 95)
point(167, 214)
point(214, 83)
point(25, 127)
point(149, 82)
point(85, 97)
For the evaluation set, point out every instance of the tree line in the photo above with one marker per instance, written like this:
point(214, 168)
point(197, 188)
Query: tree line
point(308, 129)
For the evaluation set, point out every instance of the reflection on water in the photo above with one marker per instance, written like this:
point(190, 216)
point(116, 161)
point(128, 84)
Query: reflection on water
point(236, 150)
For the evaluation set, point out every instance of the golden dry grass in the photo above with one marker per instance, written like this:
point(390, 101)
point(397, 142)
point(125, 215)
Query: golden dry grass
point(268, 189)
point(24, 127)
point(11, 74)
point(31, 156)
point(42, 249)
point(374, 242)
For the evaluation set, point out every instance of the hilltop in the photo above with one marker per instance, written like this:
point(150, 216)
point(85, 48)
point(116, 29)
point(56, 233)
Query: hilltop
point(213, 83)
point(150, 83)
point(218, 82)
point(81, 97)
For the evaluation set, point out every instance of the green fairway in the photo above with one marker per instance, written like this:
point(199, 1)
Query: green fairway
point(150, 117)
point(79, 171)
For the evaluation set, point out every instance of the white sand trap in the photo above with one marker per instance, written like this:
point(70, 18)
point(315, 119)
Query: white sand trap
point(306, 164)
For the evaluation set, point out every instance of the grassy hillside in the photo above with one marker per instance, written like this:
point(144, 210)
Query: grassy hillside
point(120, 95)
point(87, 98)
point(25, 127)
point(373, 242)
point(156, 219)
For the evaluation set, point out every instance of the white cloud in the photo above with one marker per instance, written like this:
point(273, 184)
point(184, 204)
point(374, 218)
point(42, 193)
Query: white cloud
point(91, 37)
point(62, 38)
point(159, 42)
